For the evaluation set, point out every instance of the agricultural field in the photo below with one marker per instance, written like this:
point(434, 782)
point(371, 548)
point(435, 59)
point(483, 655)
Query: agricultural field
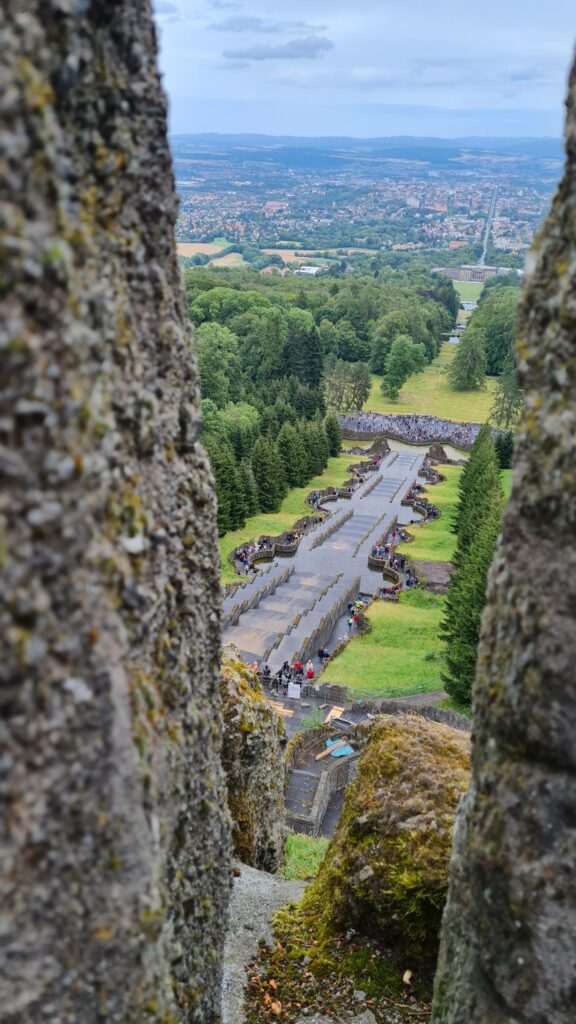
point(200, 248)
point(292, 508)
point(402, 653)
point(430, 392)
point(232, 259)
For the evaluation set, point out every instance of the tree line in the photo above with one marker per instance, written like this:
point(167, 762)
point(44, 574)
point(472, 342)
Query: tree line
point(487, 348)
point(476, 524)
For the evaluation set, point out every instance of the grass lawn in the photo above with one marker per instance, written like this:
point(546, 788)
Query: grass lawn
point(434, 541)
point(304, 855)
point(401, 655)
point(507, 482)
point(469, 291)
point(292, 508)
point(430, 392)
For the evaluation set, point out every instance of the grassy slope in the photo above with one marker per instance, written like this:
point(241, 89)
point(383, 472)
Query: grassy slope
point(434, 541)
point(429, 392)
point(390, 660)
point(304, 854)
point(293, 508)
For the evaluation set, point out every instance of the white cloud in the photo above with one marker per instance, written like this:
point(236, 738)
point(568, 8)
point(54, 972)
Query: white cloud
point(307, 48)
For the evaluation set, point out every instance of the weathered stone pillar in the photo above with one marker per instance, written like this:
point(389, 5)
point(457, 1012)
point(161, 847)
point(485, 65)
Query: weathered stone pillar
point(508, 949)
point(114, 849)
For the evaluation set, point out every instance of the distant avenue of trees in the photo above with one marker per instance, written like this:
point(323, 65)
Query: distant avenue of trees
point(487, 347)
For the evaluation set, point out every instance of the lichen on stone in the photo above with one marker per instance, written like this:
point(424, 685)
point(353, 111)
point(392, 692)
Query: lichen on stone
point(509, 935)
point(253, 759)
point(115, 851)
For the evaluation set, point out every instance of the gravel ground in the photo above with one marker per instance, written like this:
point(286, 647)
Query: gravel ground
point(256, 897)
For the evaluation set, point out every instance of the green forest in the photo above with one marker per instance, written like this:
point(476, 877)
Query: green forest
point(277, 357)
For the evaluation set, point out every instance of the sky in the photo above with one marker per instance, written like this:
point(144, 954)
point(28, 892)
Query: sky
point(366, 67)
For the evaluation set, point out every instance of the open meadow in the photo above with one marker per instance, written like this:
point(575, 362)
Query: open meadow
point(434, 540)
point(430, 392)
point(402, 653)
point(231, 259)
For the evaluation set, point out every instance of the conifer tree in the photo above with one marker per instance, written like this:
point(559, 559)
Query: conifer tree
point(293, 456)
point(508, 398)
point(476, 523)
point(504, 445)
point(232, 505)
point(470, 470)
point(248, 484)
point(268, 474)
point(463, 609)
point(468, 369)
point(333, 433)
point(317, 446)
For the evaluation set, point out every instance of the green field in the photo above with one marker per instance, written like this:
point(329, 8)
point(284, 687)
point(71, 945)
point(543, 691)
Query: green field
point(292, 508)
point(434, 541)
point(401, 655)
point(304, 855)
point(469, 291)
point(430, 392)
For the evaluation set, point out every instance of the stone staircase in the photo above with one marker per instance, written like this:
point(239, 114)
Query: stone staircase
point(278, 614)
point(316, 625)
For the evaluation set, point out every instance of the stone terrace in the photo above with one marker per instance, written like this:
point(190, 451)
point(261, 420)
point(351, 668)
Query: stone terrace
point(280, 615)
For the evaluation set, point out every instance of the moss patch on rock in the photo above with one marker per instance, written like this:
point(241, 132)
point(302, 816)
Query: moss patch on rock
point(374, 910)
point(386, 871)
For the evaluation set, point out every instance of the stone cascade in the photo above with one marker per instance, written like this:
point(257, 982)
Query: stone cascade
point(262, 627)
point(253, 591)
point(278, 617)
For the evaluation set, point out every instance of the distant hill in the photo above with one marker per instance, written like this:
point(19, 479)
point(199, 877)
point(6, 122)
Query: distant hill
point(395, 147)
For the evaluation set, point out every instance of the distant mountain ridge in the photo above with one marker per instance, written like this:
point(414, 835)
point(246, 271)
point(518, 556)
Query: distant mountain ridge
point(537, 147)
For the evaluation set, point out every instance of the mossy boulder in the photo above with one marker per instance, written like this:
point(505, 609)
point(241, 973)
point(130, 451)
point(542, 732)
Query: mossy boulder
point(253, 758)
point(386, 871)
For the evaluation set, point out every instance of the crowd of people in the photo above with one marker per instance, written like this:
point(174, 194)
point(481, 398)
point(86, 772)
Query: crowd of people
point(297, 672)
point(417, 428)
point(244, 553)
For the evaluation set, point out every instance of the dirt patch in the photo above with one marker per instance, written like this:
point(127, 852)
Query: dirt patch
point(436, 574)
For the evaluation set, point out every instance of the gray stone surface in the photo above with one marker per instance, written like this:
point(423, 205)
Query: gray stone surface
point(508, 950)
point(114, 846)
point(253, 759)
point(256, 898)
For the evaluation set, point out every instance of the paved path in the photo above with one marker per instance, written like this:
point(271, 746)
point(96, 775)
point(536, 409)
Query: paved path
point(290, 615)
point(256, 898)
